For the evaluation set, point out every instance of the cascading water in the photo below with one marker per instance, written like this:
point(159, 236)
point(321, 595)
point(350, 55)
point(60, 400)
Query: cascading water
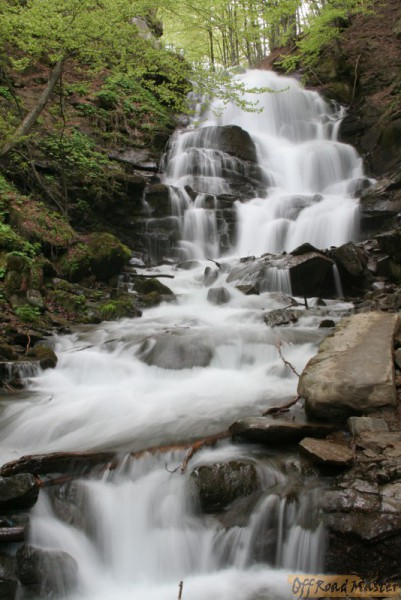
point(190, 368)
point(309, 177)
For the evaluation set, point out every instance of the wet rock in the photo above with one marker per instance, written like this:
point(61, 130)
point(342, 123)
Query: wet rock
point(336, 383)
point(248, 290)
point(326, 323)
point(35, 298)
point(46, 573)
point(267, 430)
point(333, 501)
point(187, 265)
point(70, 503)
point(7, 352)
point(108, 255)
point(303, 249)
point(56, 462)
point(369, 526)
point(349, 259)
point(230, 139)
point(158, 198)
point(210, 276)
point(18, 491)
point(359, 425)
point(138, 158)
point(397, 357)
point(177, 351)
point(8, 578)
point(219, 484)
point(281, 316)
point(46, 356)
point(326, 452)
point(218, 296)
point(306, 274)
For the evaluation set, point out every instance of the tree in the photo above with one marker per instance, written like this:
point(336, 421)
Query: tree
point(99, 34)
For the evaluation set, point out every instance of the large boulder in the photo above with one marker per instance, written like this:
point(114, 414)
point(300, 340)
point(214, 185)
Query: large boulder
point(219, 484)
point(307, 274)
point(381, 203)
point(353, 372)
point(8, 578)
point(390, 243)
point(181, 350)
point(230, 139)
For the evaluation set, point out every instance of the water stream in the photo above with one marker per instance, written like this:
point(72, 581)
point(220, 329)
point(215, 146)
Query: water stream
point(190, 368)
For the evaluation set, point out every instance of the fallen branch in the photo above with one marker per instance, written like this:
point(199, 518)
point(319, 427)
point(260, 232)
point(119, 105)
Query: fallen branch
point(288, 364)
point(11, 535)
point(218, 265)
point(143, 276)
point(355, 80)
point(180, 588)
point(57, 462)
point(274, 410)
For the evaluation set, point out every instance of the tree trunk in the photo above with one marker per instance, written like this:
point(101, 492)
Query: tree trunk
point(33, 115)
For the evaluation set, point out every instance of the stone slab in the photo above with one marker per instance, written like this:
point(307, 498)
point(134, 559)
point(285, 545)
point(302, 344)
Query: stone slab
point(353, 372)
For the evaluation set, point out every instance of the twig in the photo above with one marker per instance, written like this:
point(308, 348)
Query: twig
point(355, 80)
point(273, 410)
point(180, 588)
point(215, 262)
point(155, 276)
point(288, 364)
point(28, 343)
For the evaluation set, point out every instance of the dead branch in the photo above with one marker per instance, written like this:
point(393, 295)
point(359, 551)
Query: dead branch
point(274, 410)
point(155, 276)
point(355, 80)
point(218, 265)
point(180, 588)
point(11, 535)
point(288, 364)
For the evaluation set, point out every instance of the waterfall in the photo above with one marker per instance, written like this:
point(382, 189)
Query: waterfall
point(306, 179)
point(190, 368)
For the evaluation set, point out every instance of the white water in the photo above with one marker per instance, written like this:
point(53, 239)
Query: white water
point(122, 385)
point(311, 176)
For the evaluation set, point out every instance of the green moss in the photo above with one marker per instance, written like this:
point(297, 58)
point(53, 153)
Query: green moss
point(76, 262)
point(27, 313)
point(116, 309)
point(108, 255)
point(66, 303)
point(148, 286)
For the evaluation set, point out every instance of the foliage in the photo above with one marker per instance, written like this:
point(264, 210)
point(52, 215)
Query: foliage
point(37, 223)
point(27, 313)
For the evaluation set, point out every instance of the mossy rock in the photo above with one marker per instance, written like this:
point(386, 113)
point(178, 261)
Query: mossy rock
point(147, 286)
point(118, 309)
point(102, 255)
point(7, 352)
point(65, 302)
point(46, 356)
point(108, 255)
point(76, 262)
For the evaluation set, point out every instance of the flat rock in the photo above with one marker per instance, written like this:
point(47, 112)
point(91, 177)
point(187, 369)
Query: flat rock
point(282, 316)
point(326, 452)
point(358, 425)
point(267, 430)
point(353, 372)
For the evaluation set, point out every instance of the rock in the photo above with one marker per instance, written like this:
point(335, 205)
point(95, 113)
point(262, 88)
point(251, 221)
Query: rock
point(349, 259)
point(180, 350)
point(108, 255)
point(138, 158)
point(326, 323)
point(380, 204)
point(230, 139)
point(326, 452)
point(158, 198)
point(56, 462)
point(219, 484)
point(46, 356)
point(46, 573)
point(35, 298)
point(147, 286)
point(210, 276)
point(282, 316)
point(349, 500)
point(390, 495)
point(390, 243)
point(248, 290)
point(8, 578)
point(303, 249)
point(306, 274)
point(267, 430)
point(218, 296)
point(368, 526)
point(336, 383)
point(7, 352)
point(358, 425)
point(18, 491)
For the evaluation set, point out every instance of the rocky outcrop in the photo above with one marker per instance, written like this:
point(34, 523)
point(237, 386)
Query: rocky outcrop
point(183, 350)
point(336, 383)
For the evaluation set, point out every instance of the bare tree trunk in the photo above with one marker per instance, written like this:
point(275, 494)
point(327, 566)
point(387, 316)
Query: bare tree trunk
point(33, 115)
